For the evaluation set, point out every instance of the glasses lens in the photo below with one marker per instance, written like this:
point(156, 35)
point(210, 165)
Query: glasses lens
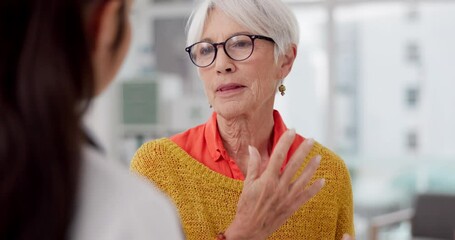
point(202, 54)
point(239, 47)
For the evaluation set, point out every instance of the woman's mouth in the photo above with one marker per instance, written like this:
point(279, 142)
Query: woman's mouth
point(231, 87)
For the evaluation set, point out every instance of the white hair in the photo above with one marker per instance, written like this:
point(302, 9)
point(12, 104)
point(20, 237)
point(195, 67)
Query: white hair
point(271, 18)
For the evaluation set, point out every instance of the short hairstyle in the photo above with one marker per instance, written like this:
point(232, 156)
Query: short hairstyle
point(271, 18)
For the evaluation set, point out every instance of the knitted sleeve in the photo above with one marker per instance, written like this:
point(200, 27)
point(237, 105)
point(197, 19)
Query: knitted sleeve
point(149, 162)
point(143, 159)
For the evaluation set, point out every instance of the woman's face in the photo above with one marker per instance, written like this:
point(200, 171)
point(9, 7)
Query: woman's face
point(234, 87)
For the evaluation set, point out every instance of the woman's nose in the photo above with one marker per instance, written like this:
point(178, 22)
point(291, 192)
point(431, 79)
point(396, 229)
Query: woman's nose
point(223, 63)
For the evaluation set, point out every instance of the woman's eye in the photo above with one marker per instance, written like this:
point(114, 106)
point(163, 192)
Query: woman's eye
point(205, 50)
point(241, 44)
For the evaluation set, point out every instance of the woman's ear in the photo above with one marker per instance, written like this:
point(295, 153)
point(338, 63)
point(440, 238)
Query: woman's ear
point(106, 61)
point(107, 27)
point(287, 61)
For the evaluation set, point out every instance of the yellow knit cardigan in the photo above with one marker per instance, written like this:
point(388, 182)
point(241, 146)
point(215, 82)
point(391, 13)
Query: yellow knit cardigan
point(207, 200)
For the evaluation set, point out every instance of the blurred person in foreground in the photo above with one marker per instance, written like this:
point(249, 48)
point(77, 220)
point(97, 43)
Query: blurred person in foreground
point(55, 57)
point(243, 49)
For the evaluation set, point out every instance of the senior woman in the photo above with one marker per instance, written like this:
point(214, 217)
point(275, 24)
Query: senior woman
point(243, 50)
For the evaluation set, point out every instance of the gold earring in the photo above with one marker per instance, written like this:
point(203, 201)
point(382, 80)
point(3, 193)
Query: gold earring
point(282, 89)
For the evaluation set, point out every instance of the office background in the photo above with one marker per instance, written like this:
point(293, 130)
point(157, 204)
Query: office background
point(374, 80)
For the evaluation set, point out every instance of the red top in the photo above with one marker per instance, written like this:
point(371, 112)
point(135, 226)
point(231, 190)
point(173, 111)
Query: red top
point(205, 145)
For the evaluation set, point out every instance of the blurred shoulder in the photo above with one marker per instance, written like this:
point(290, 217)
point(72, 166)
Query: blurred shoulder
point(114, 203)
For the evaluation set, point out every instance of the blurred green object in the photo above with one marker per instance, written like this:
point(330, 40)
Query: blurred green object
point(140, 102)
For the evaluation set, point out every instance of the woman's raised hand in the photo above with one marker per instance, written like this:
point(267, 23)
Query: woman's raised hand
point(269, 197)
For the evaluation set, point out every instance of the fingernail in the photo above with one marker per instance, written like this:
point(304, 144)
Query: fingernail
point(291, 132)
point(346, 237)
point(309, 141)
point(250, 150)
point(322, 181)
point(318, 159)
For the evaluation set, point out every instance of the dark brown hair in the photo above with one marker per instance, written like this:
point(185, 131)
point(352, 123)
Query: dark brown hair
point(46, 83)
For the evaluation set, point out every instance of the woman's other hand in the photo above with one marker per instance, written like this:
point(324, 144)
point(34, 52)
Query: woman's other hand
point(269, 198)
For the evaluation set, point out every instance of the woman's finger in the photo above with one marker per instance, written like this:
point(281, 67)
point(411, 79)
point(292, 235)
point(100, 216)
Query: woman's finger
point(279, 153)
point(296, 161)
point(306, 194)
point(347, 237)
point(306, 175)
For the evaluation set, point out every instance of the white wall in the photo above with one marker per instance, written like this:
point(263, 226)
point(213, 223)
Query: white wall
point(438, 34)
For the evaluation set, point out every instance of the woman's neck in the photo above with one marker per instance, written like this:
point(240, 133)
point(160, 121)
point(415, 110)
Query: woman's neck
point(253, 129)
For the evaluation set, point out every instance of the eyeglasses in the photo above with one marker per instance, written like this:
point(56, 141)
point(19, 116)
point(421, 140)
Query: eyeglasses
point(238, 48)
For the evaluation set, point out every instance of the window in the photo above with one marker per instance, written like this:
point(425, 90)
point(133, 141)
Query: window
point(413, 53)
point(412, 97)
point(412, 141)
